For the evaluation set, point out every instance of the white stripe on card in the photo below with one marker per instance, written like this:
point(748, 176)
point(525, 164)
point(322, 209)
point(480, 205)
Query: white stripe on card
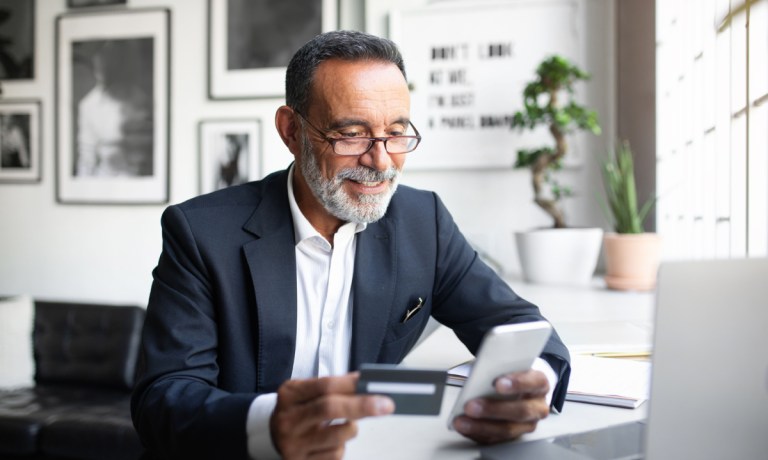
point(401, 388)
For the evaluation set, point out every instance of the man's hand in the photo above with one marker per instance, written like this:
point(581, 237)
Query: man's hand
point(314, 418)
point(488, 420)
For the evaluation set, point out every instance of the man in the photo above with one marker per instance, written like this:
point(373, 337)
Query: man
point(311, 272)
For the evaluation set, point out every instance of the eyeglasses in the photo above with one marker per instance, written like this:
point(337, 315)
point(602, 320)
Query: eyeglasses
point(354, 146)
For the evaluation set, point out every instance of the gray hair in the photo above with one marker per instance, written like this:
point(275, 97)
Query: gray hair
point(343, 44)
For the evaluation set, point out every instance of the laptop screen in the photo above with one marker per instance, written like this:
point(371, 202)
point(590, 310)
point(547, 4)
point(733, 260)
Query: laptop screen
point(709, 380)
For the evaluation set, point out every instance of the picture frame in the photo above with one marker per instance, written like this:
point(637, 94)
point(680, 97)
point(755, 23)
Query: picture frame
point(94, 3)
point(467, 82)
point(248, 53)
point(17, 35)
point(113, 107)
point(230, 152)
point(20, 141)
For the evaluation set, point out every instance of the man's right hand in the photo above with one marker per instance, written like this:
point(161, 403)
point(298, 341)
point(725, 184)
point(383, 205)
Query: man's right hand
point(314, 418)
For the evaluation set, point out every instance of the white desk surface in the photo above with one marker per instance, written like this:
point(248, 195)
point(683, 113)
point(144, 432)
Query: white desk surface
point(575, 310)
point(405, 437)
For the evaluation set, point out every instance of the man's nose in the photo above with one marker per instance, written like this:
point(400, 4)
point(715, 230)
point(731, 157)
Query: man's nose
point(377, 157)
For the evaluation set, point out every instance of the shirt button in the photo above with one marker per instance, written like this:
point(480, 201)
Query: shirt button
point(330, 325)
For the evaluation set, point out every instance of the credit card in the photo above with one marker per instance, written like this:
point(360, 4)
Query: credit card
point(414, 391)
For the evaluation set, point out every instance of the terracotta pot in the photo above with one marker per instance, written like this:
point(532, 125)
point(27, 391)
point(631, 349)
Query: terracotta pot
point(631, 260)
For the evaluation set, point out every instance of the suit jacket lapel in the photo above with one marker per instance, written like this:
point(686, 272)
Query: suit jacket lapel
point(272, 262)
point(374, 288)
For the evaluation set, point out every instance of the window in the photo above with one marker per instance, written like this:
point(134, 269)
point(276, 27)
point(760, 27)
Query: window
point(712, 127)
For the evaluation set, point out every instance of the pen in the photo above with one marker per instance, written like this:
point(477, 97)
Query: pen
point(618, 354)
point(412, 311)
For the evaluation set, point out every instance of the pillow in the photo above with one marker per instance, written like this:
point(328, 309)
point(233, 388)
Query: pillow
point(17, 362)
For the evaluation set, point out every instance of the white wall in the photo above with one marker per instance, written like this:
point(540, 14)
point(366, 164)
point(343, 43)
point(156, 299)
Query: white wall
point(106, 253)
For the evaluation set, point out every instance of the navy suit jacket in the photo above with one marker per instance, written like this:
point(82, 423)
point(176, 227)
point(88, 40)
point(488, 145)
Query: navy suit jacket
point(221, 320)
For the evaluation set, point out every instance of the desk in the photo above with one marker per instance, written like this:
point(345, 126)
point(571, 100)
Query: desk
point(404, 437)
point(420, 437)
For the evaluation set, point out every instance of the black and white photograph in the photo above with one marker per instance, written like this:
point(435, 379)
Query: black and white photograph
point(92, 3)
point(112, 91)
point(230, 153)
point(251, 42)
point(17, 39)
point(20, 141)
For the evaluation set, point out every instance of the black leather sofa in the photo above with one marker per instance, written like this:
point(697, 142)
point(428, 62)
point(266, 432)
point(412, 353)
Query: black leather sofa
point(85, 359)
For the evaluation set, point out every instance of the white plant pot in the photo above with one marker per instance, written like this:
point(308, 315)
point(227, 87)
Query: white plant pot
point(559, 256)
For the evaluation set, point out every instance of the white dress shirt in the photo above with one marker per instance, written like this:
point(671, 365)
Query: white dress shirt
point(324, 315)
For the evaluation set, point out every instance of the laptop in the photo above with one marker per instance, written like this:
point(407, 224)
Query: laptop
point(709, 380)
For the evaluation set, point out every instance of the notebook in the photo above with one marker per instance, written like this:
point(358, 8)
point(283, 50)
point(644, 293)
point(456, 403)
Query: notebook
point(609, 381)
point(709, 380)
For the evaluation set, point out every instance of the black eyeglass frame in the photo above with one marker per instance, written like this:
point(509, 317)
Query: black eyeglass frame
point(372, 140)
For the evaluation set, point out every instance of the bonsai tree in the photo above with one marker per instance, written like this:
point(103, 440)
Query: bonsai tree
point(619, 182)
point(544, 106)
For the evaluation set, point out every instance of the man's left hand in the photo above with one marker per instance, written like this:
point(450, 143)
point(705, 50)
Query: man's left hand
point(521, 404)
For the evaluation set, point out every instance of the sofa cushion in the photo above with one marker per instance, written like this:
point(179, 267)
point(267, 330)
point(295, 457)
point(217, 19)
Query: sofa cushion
point(66, 421)
point(96, 426)
point(86, 344)
point(17, 366)
point(18, 436)
point(23, 412)
point(20, 420)
point(86, 438)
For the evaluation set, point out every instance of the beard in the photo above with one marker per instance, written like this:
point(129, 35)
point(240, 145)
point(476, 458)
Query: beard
point(359, 209)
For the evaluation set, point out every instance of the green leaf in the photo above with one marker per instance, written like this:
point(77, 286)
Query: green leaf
point(526, 158)
point(621, 193)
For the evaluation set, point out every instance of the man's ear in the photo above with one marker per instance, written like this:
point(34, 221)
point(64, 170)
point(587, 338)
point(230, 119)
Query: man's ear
point(288, 128)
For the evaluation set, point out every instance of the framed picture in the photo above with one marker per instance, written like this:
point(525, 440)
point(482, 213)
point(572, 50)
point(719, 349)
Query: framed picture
point(467, 82)
point(251, 41)
point(88, 3)
point(112, 107)
point(230, 153)
point(17, 39)
point(20, 141)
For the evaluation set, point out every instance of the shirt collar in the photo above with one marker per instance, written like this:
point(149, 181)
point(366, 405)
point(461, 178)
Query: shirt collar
point(302, 229)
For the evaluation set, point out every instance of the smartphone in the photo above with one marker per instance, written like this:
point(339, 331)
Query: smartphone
point(504, 349)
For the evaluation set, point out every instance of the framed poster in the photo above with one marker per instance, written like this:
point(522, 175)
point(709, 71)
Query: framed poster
point(230, 153)
point(20, 141)
point(467, 82)
point(250, 43)
point(89, 3)
point(112, 107)
point(17, 39)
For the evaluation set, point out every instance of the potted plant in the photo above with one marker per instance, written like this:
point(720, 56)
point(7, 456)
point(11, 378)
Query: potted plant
point(631, 253)
point(557, 255)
